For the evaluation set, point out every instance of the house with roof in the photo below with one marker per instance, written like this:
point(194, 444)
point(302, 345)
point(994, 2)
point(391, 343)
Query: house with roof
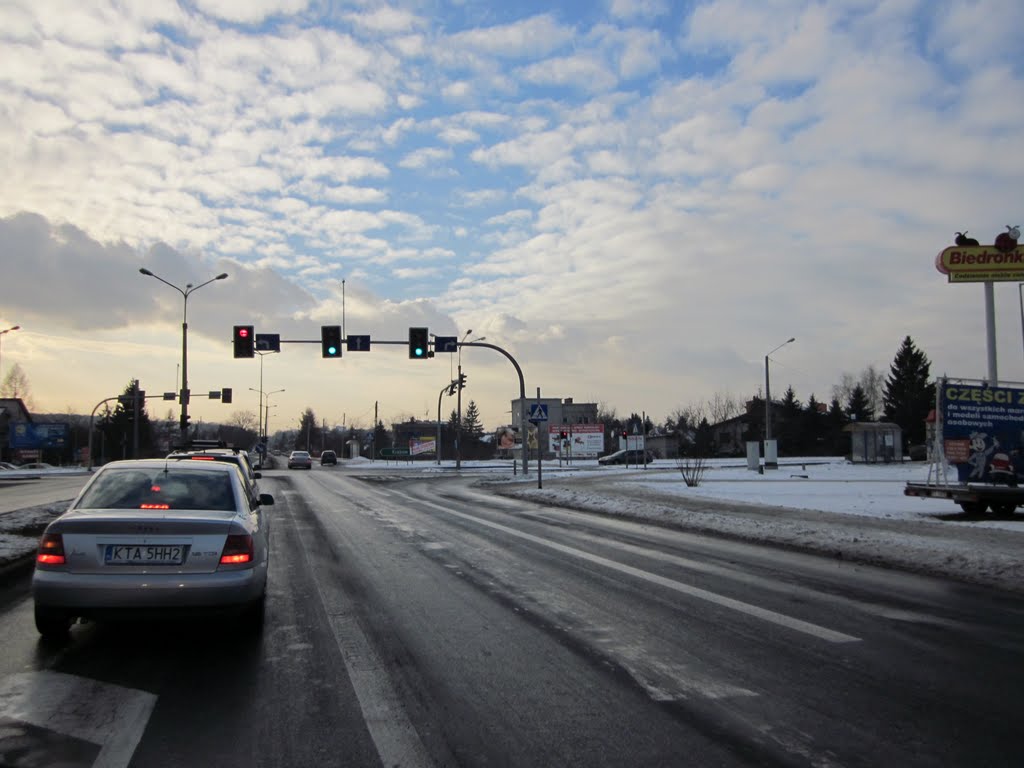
point(12, 413)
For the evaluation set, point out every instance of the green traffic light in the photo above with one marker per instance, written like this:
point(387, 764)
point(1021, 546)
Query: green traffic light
point(332, 350)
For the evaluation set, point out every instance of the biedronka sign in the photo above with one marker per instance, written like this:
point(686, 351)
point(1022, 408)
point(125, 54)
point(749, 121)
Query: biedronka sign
point(981, 264)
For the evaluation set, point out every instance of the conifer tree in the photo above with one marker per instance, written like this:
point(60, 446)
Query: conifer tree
point(859, 408)
point(909, 395)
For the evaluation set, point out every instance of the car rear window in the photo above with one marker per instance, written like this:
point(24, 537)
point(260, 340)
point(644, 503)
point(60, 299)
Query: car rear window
point(159, 490)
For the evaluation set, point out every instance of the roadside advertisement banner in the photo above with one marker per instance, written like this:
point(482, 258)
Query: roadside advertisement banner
point(582, 441)
point(37, 436)
point(422, 445)
point(983, 431)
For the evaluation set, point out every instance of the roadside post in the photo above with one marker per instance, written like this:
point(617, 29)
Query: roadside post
point(538, 416)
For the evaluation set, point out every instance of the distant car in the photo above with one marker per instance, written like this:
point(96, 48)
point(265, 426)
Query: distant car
point(630, 456)
point(7, 465)
point(215, 451)
point(300, 460)
point(328, 457)
point(155, 538)
point(37, 465)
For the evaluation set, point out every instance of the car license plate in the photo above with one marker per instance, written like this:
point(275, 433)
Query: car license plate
point(144, 554)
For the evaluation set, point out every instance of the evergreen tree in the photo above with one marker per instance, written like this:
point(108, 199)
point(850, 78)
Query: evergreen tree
point(909, 395)
point(786, 423)
point(813, 429)
point(381, 437)
point(837, 440)
point(704, 441)
point(472, 431)
point(858, 408)
point(118, 428)
point(755, 421)
point(471, 421)
point(308, 437)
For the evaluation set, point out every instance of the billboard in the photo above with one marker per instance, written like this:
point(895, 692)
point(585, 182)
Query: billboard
point(582, 441)
point(983, 431)
point(39, 436)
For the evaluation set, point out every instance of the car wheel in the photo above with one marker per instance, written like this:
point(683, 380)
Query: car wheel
point(974, 507)
point(52, 623)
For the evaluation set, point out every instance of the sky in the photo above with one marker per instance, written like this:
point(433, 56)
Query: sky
point(638, 200)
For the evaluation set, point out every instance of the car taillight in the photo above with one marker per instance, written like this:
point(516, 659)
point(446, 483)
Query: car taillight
point(237, 550)
point(51, 549)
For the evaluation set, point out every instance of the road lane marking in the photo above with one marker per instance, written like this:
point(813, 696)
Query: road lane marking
point(109, 715)
point(773, 617)
point(396, 740)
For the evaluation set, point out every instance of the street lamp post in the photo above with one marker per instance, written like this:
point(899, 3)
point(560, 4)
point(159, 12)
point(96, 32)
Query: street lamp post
point(458, 425)
point(770, 453)
point(266, 418)
point(185, 293)
point(4, 333)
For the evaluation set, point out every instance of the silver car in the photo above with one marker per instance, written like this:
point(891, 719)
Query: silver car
point(300, 460)
point(155, 538)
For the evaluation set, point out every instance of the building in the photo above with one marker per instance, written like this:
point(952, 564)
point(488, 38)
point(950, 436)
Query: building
point(12, 412)
point(561, 413)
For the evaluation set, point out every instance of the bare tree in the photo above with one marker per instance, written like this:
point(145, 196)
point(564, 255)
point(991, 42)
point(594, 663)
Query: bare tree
point(871, 382)
point(246, 420)
point(15, 386)
point(722, 407)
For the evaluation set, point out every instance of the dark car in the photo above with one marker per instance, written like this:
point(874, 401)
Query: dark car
point(328, 457)
point(217, 451)
point(631, 456)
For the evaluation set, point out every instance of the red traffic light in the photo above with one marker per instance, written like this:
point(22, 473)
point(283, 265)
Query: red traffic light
point(241, 339)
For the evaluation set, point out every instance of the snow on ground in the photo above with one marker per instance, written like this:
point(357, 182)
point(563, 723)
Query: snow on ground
point(855, 512)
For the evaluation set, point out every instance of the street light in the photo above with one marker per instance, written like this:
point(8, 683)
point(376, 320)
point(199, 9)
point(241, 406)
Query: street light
point(266, 418)
point(4, 333)
point(458, 424)
point(768, 405)
point(185, 293)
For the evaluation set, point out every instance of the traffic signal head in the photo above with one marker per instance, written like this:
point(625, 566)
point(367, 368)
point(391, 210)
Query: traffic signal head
point(243, 338)
point(419, 348)
point(330, 340)
point(462, 381)
point(225, 395)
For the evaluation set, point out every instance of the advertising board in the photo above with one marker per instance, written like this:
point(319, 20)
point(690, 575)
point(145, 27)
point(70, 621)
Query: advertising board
point(39, 436)
point(983, 431)
point(582, 441)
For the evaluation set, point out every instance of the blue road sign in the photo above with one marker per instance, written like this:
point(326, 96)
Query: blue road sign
point(268, 342)
point(538, 413)
point(358, 343)
point(446, 343)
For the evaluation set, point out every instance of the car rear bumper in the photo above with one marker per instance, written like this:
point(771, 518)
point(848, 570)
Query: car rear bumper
point(94, 593)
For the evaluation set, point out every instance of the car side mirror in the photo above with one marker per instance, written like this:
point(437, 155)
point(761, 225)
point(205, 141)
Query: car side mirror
point(266, 500)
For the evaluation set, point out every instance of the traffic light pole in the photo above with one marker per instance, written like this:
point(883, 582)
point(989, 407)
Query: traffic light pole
point(487, 345)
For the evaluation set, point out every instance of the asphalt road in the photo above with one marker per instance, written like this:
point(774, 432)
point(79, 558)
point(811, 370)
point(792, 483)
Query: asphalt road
point(416, 622)
point(23, 493)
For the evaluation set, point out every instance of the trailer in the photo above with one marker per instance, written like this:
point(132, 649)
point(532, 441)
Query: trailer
point(976, 454)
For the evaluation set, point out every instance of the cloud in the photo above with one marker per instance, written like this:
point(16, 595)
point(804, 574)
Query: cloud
point(421, 158)
point(528, 38)
point(250, 11)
